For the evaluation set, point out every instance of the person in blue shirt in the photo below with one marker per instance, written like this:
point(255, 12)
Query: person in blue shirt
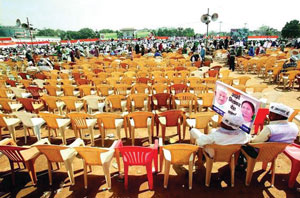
point(157, 53)
point(251, 51)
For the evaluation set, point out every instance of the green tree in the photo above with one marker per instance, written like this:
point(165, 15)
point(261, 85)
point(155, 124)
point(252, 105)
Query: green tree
point(291, 29)
point(85, 33)
point(46, 32)
point(106, 31)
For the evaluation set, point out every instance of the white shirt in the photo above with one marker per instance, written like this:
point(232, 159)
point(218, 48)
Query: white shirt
point(220, 136)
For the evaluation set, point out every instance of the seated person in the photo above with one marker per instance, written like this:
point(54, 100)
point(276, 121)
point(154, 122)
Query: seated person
point(228, 133)
point(279, 129)
point(290, 64)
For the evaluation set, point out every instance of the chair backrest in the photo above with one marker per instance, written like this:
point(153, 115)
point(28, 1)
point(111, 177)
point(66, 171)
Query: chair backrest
point(25, 117)
point(12, 152)
point(122, 89)
point(138, 99)
point(50, 101)
point(163, 99)
point(70, 102)
point(160, 88)
point(268, 150)
point(136, 155)
point(11, 83)
point(27, 103)
point(51, 90)
point(292, 116)
point(172, 117)
point(186, 99)
point(34, 92)
point(50, 119)
point(91, 155)
point(222, 153)
point(140, 88)
point(52, 152)
point(104, 89)
point(78, 120)
point(4, 102)
point(107, 119)
point(81, 81)
point(178, 88)
point(68, 90)
point(115, 101)
point(181, 153)
point(3, 93)
point(207, 99)
point(202, 119)
point(140, 118)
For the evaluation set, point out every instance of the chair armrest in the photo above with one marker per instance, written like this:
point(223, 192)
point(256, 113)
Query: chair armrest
point(68, 153)
point(8, 141)
point(119, 144)
point(30, 153)
point(114, 144)
point(77, 142)
point(42, 141)
point(107, 156)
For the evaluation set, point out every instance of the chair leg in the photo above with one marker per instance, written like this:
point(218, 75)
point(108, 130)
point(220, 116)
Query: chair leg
point(132, 136)
point(190, 174)
point(31, 171)
point(209, 164)
point(85, 174)
point(102, 132)
point(167, 170)
point(107, 174)
point(150, 134)
point(179, 132)
point(62, 133)
point(232, 169)
point(11, 130)
point(250, 168)
point(149, 175)
point(50, 172)
point(69, 168)
point(126, 176)
point(294, 173)
point(12, 169)
point(117, 156)
point(273, 172)
point(163, 132)
point(91, 130)
point(161, 156)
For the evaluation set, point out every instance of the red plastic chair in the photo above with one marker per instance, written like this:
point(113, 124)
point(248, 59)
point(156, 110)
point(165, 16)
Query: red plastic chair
point(14, 155)
point(212, 73)
point(35, 92)
point(81, 81)
point(143, 80)
point(11, 83)
point(23, 75)
point(27, 104)
point(293, 152)
point(180, 68)
point(76, 75)
point(260, 119)
point(173, 118)
point(40, 76)
point(96, 71)
point(163, 100)
point(178, 88)
point(139, 156)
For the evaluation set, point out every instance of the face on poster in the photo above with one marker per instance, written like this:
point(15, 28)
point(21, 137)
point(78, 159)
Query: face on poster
point(230, 100)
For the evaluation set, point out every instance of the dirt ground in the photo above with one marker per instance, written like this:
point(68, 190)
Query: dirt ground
point(138, 185)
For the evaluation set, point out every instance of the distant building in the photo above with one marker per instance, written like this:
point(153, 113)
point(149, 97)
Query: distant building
point(128, 33)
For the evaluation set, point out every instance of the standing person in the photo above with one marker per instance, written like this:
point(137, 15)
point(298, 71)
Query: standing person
point(29, 56)
point(251, 51)
point(226, 43)
point(72, 55)
point(232, 55)
point(96, 53)
point(137, 48)
point(202, 52)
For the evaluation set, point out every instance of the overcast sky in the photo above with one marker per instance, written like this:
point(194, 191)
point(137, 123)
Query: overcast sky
point(118, 14)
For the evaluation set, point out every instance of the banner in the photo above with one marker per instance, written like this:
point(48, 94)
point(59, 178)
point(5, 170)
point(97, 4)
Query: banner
point(230, 100)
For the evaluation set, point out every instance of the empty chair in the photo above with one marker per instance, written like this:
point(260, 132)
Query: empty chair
point(138, 156)
point(137, 120)
point(8, 105)
point(69, 90)
point(20, 93)
point(65, 154)
point(138, 101)
point(160, 100)
point(30, 120)
point(171, 118)
point(53, 90)
point(72, 103)
point(55, 122)
point(82, 121)
point(10, 123)
point(293, 152)
point(96, 156)
point(114, 102)
point(31, 105)
point(35, 92)
point(199, 121)
point(178, 154)
point(108, 121)
point(6, 93)
point(18, 154)
point(53, 103)
point(93, 102)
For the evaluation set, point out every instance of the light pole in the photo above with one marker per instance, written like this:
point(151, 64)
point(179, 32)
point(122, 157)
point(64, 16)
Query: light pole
point(206, 18)
point(220, 27)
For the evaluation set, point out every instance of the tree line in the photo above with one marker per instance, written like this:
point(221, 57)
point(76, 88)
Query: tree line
point(290, 30)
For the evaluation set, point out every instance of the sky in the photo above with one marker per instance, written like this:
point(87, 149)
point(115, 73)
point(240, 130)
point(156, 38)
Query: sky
point(139, 14)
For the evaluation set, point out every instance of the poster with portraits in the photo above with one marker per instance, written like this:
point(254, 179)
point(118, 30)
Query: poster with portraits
point(230, 100)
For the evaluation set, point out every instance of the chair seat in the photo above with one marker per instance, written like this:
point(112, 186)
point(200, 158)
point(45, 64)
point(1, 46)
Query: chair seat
point(59, 93)
point(12, 121)
point(15, 107)
point(38, 106)
point(60, 104)
point(93, 92)
point(119, 122)
point(37, 121)
point(10, 95)
point(200, 102)
point(25, 95)
point(76, 93)
point(63, 122)
point(91, 122)
point(191, 122)
point(79, 105)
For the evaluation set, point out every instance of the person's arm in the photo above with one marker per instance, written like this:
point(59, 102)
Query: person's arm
point(263, 136)
point(201, 139)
